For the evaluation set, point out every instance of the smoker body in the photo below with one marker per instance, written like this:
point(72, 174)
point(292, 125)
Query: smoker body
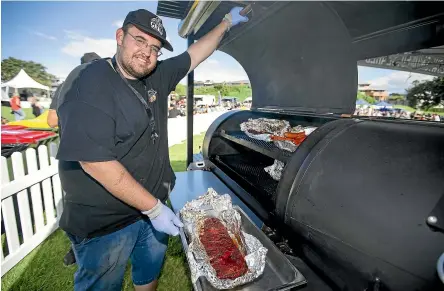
point(354, 198)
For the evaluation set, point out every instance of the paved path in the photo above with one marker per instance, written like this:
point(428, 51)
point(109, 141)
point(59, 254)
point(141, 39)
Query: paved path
point(177, 127)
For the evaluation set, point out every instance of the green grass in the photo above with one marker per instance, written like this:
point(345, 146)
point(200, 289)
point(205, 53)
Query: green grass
point(178, 153)
point(43, 268)
point(406, 108)
point(410, 109)
point(6, 113)
point(239, 91)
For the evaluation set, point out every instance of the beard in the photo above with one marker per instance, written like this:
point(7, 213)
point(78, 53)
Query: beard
point(132, 65)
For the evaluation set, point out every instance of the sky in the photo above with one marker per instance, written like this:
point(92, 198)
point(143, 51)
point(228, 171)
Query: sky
point(57, 34)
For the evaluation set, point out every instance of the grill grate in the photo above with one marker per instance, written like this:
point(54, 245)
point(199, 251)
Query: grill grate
point(252, 172)
point(263, 147)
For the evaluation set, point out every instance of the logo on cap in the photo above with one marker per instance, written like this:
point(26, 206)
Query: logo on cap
point(156, 24)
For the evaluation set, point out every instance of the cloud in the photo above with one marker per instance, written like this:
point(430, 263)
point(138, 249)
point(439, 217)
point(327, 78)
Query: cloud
point(211, 69)
point(61, 69)
point(118, 23)
point(80, 44)
point(398, 81)
point(41, 34)
point(212, 61)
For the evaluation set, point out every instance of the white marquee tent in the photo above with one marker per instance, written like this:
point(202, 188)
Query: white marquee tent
point(23, 80)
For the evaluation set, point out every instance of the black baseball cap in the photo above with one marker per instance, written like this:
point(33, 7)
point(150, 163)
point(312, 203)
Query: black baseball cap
point(149, 23)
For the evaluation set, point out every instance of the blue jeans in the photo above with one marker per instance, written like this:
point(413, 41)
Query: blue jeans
point(102, 260)
point(19, 114)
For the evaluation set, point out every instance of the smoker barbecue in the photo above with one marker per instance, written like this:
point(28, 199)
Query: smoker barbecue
point(225, 257)
point(359, 204)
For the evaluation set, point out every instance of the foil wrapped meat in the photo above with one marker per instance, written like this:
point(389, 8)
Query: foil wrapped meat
point(277, 131)
point(219, 249)
point(225, 257)
point(259, 126)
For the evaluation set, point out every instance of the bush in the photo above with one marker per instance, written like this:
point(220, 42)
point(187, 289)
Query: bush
point(364, 97)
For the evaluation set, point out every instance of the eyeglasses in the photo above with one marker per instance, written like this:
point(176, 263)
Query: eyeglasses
point(142, 43)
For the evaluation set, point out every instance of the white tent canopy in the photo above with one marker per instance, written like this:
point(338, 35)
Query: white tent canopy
point(23, 80)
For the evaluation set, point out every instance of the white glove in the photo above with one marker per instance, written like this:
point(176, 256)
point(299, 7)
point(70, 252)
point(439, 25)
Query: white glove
point(163, 219)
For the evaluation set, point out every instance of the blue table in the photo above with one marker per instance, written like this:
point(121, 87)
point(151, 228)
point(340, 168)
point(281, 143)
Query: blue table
point(192, 184)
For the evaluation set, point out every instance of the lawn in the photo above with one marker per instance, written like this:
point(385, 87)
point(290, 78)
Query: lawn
point(6, 113)
point(410, 109)
point(43, 268)
point(406, 108)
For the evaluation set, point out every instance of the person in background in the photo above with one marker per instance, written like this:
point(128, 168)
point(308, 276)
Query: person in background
point(37, 109)
point(173, 112)
point(52, 118)
point(16, 107)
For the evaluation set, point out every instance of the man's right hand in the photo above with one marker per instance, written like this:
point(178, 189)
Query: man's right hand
point(163, 219)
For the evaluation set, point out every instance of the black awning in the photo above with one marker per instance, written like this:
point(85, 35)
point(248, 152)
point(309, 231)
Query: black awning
point(377, 28)
point(173, 9)
point(426, 61)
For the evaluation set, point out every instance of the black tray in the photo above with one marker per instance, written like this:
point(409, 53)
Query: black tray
point(279, 272)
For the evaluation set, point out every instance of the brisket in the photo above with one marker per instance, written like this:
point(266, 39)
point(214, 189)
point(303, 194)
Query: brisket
point(222, 251)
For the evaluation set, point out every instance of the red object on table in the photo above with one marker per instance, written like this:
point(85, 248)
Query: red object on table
point(225, 256)
point(25, 136)
point(12, 127)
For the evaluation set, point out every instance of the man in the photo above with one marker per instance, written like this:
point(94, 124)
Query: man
point(113, 155)
point(52, 118)
point(16, 107)
point(37, 109)
point(173, 111)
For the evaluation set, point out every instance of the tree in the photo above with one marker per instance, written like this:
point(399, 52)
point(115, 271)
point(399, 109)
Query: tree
point(239, 91)
point(223, 89)
point(396, 97)
point(426, 94)
point(364, 97)
point(11, 67)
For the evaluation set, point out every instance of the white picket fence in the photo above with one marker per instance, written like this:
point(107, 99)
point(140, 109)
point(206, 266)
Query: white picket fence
point(26, 229)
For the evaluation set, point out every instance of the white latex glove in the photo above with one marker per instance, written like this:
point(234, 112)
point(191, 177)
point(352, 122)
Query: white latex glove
point(234, 18)
point(163, 219)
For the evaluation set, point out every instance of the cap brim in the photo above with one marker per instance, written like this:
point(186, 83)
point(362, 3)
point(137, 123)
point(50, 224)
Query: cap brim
point(164, 42)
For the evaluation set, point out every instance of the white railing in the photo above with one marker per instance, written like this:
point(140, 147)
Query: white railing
point(36, 218)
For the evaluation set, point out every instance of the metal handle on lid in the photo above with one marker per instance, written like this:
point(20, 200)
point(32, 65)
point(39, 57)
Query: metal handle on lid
point(247, 9)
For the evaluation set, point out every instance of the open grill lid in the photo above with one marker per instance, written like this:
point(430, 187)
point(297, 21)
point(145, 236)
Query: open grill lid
point(298, 57)
point(302, 56)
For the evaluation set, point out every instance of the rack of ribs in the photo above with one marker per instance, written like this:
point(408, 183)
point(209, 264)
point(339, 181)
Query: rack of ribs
point(222, 251)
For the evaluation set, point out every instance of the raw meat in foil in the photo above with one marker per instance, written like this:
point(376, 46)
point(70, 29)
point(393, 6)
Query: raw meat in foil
point(225, 257)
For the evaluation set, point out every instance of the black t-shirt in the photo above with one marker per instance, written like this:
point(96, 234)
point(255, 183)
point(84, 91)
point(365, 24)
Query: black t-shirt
point(101, 119)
